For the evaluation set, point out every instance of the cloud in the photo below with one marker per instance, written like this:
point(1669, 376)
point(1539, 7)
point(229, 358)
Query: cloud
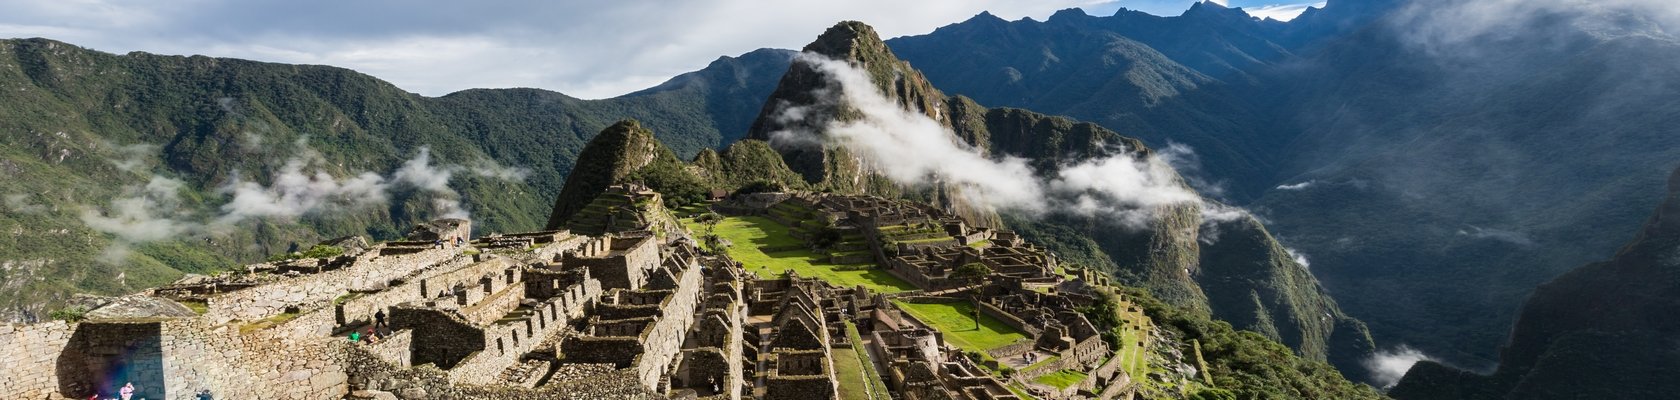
point(134, 157)
point(20, 203)
point(295, 191)
point(1507, 236)
point(420, 173)
point(1298, 185)
point(1448, 27)
point(1281, 12)
point(584, 49)
point(298, 190)
point(1388, 366)
point(141, 214)
point(911, 148)
point(489, 168)
point(1299, 257)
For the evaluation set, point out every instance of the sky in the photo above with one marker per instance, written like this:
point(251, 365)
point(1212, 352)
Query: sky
point(581, 48)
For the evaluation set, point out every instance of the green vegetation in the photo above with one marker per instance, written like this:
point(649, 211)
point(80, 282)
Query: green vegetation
point(849, 371)
point(197, 307)
point(317, 251)
point(69, 314)
point(269, 322)
point(877, 386)
point(1062, 379)
point(767, 249)
point(1248, 364)
point(956, 320)
point(121, 120)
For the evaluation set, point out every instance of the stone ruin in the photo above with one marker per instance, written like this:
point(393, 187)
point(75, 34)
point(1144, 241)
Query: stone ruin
point(638, 312)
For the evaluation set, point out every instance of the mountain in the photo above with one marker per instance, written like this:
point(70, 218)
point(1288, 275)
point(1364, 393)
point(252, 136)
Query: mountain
point(124, 169)
point(1431, 169)
point(1600, 331)
point(1232, 270)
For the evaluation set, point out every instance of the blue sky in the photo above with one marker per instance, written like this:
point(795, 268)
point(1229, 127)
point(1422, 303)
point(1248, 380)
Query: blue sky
point(588, 49)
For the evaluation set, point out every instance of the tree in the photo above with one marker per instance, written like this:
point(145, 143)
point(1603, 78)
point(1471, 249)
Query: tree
point(975, 271)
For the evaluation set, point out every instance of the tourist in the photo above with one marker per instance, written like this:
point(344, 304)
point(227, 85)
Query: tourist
point(127, 391)
point(204, 395)
point(437, 243)
point(355, 336)
point(460, 241)
point(379, 319)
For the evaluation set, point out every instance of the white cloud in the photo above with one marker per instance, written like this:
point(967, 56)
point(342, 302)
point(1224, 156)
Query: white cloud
point(1388, 366)
point(1446, 27)
point(1507, 236)
point(584, 49)
point(1299, 257)
point(1298, 185)
point(140, 214)
point(489, 168)
point(912, 148)
point(1281, 12)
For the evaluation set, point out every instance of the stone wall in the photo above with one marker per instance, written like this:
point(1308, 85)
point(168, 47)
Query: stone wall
point(1010, 319)
point(664, 339)
point(396, 348)
point(423, 286)
point(369, 273)
point(30, 354)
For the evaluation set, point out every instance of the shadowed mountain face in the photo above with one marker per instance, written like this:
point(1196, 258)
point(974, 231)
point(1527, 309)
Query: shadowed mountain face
point(1432, 173)
point(1605, 330)
point(123, 170)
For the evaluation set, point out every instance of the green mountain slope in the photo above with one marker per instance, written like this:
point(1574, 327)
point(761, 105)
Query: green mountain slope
point(1169, 258)
point(153, 149)
point(1432, 185)
point(1600, 331)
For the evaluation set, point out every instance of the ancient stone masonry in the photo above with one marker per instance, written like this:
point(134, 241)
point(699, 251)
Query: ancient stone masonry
point(637, 311)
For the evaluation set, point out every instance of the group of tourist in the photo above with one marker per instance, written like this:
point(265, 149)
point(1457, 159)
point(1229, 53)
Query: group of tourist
point(440, 242)
point(375, 333)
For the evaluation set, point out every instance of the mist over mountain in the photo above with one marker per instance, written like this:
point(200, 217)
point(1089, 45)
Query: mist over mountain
point(1582, 334)
point(1418, 167)
point(1434, 161)
point(128, 170)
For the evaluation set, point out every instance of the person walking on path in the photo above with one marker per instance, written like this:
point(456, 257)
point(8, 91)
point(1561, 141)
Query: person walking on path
point(379, 319)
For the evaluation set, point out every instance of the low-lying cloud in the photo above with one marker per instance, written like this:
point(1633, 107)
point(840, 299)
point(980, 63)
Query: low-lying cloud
point(142, 213)
point(912, 148)
point(1298, 185)
point(301, 187)
point(1299, 257)
point(1507, 236)
point(1388, 366)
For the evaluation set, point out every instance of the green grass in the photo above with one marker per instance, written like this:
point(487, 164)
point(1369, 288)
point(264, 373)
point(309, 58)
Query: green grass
point(750, 235)
point(1018, 391)
point(957, 322)
point(1062, 379)
point(876, 385)
point(849, 370)
point(982, 244)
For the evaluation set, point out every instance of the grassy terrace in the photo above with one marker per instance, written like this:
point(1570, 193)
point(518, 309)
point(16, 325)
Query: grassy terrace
point(1061, 379)
point(957, 322)
point(749, 237)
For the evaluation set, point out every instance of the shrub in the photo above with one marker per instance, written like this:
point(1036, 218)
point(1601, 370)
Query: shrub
point(69, 314)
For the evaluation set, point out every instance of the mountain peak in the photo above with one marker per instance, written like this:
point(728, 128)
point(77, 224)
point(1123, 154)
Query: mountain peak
point(1068, 14)
point(845, 40)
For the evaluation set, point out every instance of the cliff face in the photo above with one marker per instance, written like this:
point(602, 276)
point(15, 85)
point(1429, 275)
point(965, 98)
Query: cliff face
point(1577, 335)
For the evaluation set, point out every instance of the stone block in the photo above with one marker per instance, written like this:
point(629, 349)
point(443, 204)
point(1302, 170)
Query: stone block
point(412, 393)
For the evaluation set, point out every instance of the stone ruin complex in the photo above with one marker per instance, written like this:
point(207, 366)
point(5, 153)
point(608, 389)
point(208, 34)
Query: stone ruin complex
point(629, 312)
